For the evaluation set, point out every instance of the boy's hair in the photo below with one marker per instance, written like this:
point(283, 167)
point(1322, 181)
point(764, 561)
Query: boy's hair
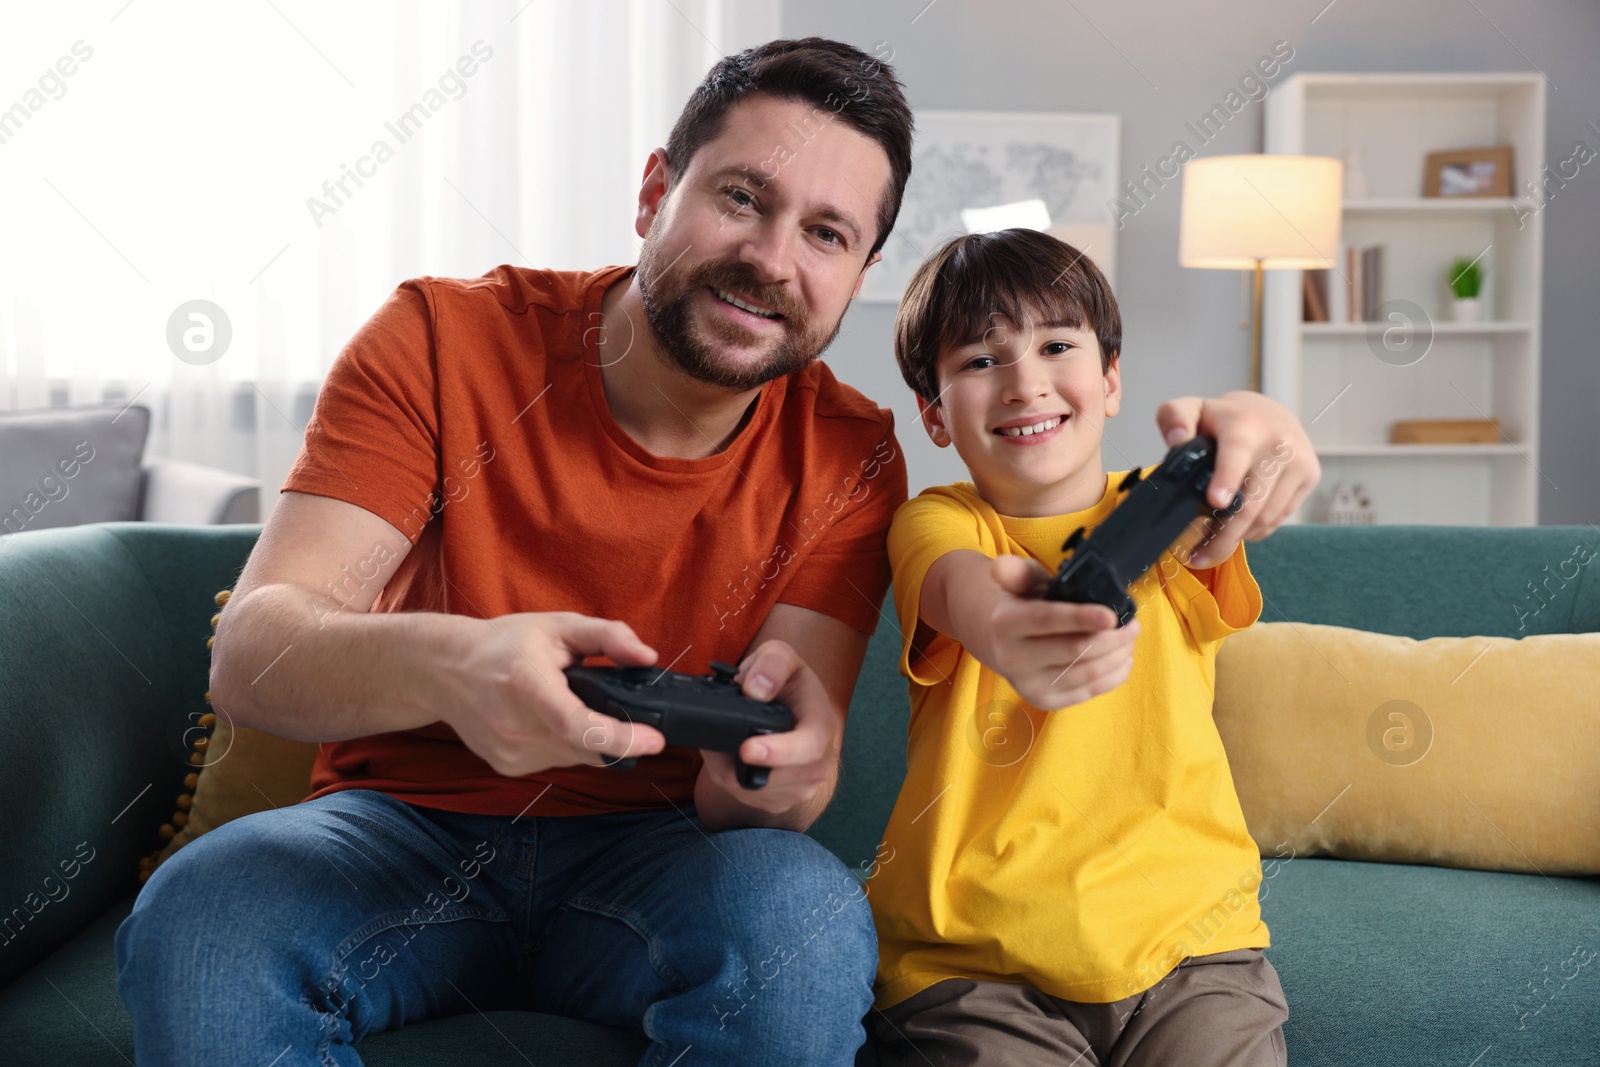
point(957, 292)
point(840, 80)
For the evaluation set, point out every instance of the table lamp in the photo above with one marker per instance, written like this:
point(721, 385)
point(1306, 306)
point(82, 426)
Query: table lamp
point(1260, 213)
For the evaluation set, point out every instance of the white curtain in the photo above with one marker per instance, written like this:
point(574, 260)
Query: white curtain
point(185, 156)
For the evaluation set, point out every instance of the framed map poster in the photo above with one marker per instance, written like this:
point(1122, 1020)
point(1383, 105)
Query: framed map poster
point(962, 160)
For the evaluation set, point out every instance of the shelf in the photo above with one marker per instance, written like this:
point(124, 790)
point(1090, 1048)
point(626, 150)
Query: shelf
point(1438, 205)
point(1440, 329)
point(1394, 451)
point(1386, 125)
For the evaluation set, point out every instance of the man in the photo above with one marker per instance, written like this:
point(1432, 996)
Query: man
point(503, 476)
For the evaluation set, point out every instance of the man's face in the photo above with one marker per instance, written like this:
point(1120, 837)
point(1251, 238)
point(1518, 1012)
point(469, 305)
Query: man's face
point(1040, 376)
point(777, 213)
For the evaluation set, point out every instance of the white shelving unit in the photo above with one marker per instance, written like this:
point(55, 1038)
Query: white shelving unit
point(1331, 374)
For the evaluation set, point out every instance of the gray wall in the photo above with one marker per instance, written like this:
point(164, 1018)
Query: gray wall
point(1181, 326)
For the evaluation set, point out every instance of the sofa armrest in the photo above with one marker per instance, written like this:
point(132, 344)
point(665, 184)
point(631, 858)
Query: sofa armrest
point(192, 494)
point(103, 672)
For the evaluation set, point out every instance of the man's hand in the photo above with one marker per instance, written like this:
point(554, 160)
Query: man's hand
point(804, 761)
point(513, 706)
point(1054, 654)
point(1263, 453)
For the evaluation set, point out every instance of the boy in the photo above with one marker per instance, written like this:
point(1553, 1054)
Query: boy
point(1067, 876)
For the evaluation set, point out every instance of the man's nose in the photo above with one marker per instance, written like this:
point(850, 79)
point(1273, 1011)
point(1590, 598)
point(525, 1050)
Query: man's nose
point(769, 251)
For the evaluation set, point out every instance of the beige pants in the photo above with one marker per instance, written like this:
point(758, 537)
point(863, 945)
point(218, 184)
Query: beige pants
point(1222, 1009)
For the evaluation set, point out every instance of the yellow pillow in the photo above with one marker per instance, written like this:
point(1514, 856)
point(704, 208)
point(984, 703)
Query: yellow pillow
point(1479, 752)
point(239, 771)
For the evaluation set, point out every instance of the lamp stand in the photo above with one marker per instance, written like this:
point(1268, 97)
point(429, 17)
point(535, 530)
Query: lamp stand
point(1255, 335)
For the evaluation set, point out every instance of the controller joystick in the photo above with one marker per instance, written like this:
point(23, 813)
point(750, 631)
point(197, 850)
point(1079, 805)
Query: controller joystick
point(1158, 508)
point(695, 711)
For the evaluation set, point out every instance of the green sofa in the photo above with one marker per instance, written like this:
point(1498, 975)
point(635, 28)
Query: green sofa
point(103, 663)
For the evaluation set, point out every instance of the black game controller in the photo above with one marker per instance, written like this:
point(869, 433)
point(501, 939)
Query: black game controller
point(1101, 566)
point(696, 711)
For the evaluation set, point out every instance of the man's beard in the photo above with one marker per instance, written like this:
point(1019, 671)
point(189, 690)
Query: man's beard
point(675, 327)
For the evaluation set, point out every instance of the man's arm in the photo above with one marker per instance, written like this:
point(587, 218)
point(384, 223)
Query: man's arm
point(299, 654)
point(820, 657)
point(1263, 453)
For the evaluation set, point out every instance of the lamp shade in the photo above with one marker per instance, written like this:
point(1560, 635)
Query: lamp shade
point(1280, 211)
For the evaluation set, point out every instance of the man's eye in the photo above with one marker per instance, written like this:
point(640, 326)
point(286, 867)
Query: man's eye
point(829, 236)
point(739, 196)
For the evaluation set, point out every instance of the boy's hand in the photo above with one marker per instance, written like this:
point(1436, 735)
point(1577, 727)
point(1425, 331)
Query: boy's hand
point(1054, 654)
point(1263, 453)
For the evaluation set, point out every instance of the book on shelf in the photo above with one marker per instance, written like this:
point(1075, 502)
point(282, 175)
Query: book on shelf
point(1355, 294)
point(1314, 287)
point(1371, 282)
point(1339, 291)
point(1352, 284)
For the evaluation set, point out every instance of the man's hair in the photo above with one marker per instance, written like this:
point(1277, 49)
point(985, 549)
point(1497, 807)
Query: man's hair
point(957, 293)
point(859, 89)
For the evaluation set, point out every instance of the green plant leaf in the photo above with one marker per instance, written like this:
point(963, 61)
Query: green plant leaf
point(1466, 278)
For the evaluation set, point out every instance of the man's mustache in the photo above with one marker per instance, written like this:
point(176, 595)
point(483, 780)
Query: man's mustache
point(736, 279)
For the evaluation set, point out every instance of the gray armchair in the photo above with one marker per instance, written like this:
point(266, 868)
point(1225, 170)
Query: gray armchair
point(189, 493)
point(70, 466)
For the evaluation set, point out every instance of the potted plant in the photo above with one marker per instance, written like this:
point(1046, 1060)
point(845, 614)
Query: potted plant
point(1466, 281)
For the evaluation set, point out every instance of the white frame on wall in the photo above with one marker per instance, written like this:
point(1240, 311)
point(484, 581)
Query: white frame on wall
point(935, 195)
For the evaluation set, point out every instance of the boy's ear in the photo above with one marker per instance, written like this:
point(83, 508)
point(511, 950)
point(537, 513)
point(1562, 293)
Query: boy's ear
point(1114, 386)
point(932, 415)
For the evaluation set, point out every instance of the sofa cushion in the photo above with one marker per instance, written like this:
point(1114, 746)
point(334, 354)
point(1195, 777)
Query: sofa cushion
point(1385, 964)
point(66, 1012)
point(69, 466)
point(1465, 752)
point(1431, 581)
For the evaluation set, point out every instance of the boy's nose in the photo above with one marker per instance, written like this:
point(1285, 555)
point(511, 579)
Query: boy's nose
point(1026, 380)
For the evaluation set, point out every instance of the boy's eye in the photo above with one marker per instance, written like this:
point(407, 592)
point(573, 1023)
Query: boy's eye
point(1057, 348)
point(975, 360)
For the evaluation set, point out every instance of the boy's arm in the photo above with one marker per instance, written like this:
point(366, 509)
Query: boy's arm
point(1053, 654)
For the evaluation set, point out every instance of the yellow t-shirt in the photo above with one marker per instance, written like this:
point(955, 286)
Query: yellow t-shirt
point(1084, 851)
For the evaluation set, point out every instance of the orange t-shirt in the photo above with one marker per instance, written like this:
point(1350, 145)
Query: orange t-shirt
point(470, 415)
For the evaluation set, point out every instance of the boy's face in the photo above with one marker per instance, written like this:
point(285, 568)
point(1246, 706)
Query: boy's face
point(1025, 375)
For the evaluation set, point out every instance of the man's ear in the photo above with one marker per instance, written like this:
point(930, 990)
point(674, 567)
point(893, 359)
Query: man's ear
point(863, 276)
point(1114, 386)
point(652, 189)
point(932, 416)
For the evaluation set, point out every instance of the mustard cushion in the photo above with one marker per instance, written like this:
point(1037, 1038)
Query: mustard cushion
point(1479, 752)
point(239, 771)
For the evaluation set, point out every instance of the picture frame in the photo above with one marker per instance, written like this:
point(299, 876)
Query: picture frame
point(1468, 172)
point(965, 160)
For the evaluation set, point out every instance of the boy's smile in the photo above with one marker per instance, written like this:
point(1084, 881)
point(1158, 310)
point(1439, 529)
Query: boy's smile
point(1025, 406)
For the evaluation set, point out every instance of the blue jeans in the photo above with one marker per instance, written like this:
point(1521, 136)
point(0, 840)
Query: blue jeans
point(293, 933)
